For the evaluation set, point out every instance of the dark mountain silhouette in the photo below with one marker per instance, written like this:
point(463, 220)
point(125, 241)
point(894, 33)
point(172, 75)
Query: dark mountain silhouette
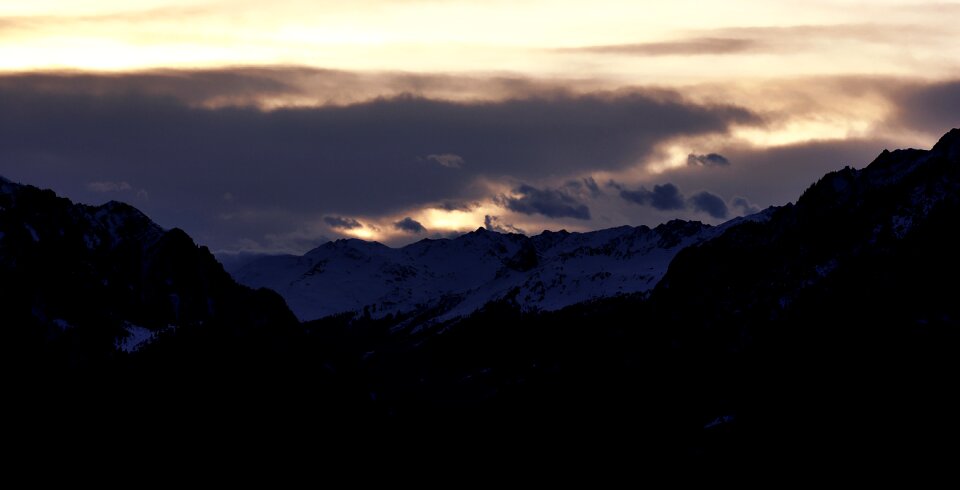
point(111, 320)
point(837, 318)
point(78, 281)
point(828, 327)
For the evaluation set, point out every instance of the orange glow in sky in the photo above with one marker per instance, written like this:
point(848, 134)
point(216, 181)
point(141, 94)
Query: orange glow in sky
point(803, 69)
point(536, 37)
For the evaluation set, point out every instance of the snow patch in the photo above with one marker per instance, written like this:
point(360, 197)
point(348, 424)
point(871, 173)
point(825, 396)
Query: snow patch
point(33, 233)
point(135, 338)
point(901, 225)
point(823, 270)
point(92, 241)
point(721, 420)
point(62, 324)
point(458, 276)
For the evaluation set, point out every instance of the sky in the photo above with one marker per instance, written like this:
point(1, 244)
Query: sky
point(275, 126)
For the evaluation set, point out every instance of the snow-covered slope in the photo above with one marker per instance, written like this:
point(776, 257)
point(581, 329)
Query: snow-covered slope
point(454, 277)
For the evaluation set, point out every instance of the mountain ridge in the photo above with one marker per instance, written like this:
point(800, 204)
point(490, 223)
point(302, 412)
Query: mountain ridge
point(99, 276)
point(546, 271)
point(821, 327)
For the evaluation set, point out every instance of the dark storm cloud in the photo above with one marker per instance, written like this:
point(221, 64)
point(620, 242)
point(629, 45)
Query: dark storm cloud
point(189, 87)
point(708, 160)
point(664, 197)
point(934, 108)
point(342, 223)
point(552, 203)
point(409, 225)
point(683, 47)
point(494, 223)
point(249, 86)
point(586, 186)
point(668, 197)
point(457, 206)
point(709, 203)
point(592, 186)
point(288, 166)
point(744, 205)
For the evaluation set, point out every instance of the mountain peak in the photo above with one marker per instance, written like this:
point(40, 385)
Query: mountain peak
point(949, 144)
point(357, 243)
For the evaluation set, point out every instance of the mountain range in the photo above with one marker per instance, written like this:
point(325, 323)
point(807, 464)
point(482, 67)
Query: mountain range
point(455, 277)
point(830, 323)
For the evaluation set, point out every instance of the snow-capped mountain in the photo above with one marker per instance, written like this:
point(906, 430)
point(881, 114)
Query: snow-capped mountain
point(454, 277)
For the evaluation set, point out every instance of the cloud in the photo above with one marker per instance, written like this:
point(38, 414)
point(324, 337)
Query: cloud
point(177, 13)
point(742, 40)
point(709, 203)
point(181, 133)
point(780, 37)
point(297, 165)
point(342, 223)
point(667, 197)
point(109, 186)
point(586, 187)
point(779, 174)
point(746, 207)
point(683, 47)
point(592, 186)
point(663, 197)
point(934, 107)
point(409, 225)
point(494, 223)
point(552, 203)
point(457, 206)
point(449, 160)
point(189, 87)
point(708, 160)
point(287, 86)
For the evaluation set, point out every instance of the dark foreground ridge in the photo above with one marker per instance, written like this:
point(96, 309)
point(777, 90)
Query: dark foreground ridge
point(827, 328)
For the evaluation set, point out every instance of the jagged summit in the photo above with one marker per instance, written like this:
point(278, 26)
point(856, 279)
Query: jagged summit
point(544, 272)
point(949, 145)
point(110, 277)
point(848, 216)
